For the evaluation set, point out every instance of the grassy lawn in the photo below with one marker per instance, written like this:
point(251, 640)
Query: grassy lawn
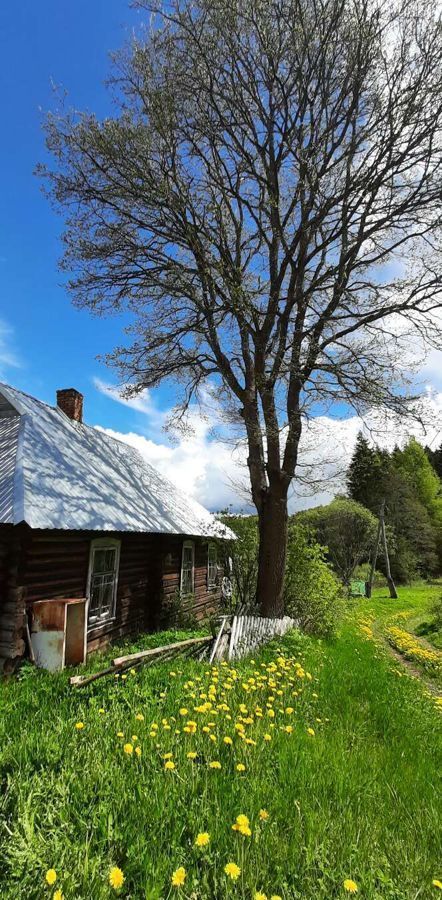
point(409, 625)
point(350, 780)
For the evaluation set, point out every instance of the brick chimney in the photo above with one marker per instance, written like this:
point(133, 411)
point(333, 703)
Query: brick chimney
point(70, 402)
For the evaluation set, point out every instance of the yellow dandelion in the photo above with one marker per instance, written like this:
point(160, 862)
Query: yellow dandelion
point(57, 895)
point(202, 839)
point(139, 717)
point(178, 877)
point(263, 815)
point(51, 876)
point(128, 748)
point(79, 725)
point(232, 870)
point(101, 711)
point(275, 897)
point(138, 751)
point(228, 740)
point(169, 765)
point(311, 731)
point(116, 878)
point(350, 886)
point(184, 711)
point(259, 895)
point(437, 884)
point(267, 737)
point(240, 767)
point(214, 764)
point(191, 754)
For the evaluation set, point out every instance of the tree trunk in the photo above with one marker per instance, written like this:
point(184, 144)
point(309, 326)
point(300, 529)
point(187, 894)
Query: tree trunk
point(272, 520)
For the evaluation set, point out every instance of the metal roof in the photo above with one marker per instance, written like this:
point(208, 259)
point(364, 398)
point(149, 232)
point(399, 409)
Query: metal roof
point(56, 473)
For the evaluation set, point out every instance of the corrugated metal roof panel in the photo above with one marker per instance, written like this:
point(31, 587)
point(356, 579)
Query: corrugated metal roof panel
point(9, 432)
point(72, 476)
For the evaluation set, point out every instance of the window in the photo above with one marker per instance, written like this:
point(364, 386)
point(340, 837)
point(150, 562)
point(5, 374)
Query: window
point(212, 566)
point(187, 568)
point(103, 579)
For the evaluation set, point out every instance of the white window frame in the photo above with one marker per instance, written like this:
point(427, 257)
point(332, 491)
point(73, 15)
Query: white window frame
point(212, 584)
point(187, 545)
point(103, 544)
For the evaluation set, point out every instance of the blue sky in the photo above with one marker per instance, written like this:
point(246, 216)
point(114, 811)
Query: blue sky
point(44, 342)
point(53, 344)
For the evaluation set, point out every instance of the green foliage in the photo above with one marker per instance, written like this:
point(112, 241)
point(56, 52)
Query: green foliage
point(244, 555)
point(312, 591)
point(411, 488)
point(347, 529)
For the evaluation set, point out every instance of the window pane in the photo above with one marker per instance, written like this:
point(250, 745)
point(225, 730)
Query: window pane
point(102, 583)
point(104, 560)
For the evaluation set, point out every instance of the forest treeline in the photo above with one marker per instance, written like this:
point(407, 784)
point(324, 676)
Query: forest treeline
point(409, 481)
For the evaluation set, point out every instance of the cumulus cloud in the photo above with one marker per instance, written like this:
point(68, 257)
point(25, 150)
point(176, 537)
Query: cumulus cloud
point(214, 471)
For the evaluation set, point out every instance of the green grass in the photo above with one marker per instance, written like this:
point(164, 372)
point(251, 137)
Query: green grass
point(412, 612)
point(359, 799)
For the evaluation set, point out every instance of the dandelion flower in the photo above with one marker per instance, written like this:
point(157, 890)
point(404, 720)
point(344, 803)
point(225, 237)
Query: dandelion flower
point(275, 897)
point(57, 895)
point(240, 767)
point(232, 870)
point(101, 711)
point(214, 764)
point(437, 884)
point(120, 734)
point(267, 737)
point(79, 725)
point(169, 765)
point(263, 815)
point(311, 731)
point(139, 717)
point(259, 895)
point(202, 839)
point(51, 876)
point(350, 886)
point(116, 878)
point(128, 748)
point(191, 754)
point(178, 877)
point(138, 751)
point(228, 740)
point(184, 711)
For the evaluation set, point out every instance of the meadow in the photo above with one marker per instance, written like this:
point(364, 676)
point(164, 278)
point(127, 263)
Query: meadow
point(313, 770)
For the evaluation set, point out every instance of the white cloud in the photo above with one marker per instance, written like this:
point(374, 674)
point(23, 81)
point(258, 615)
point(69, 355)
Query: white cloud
point(214, 472)
point(8, 355)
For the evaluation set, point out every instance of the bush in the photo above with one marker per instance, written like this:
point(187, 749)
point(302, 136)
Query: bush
point(313, 593)
point(244, 555)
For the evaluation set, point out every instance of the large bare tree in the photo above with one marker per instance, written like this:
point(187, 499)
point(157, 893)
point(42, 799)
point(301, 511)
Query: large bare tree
point(266, 202)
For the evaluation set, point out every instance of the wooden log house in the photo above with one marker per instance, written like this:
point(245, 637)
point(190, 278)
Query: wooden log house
point(84, 515)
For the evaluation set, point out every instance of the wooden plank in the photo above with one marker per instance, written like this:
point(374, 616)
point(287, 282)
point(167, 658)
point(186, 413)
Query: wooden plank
point(155, 651)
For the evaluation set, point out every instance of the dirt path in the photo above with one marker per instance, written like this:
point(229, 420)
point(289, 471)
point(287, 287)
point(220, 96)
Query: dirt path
point(377, 628)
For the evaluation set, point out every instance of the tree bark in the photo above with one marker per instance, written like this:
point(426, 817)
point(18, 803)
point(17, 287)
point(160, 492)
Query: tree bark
point(272, 519)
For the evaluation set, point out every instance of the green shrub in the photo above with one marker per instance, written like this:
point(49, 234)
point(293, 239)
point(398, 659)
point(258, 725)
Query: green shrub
point(312, 591)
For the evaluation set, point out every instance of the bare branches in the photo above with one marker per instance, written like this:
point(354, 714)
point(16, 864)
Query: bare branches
point(265, 202)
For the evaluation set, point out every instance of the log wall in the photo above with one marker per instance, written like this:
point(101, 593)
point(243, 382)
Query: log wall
point(204, 602)
point(54, 564)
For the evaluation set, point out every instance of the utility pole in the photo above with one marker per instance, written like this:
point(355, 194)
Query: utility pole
point(381, 533)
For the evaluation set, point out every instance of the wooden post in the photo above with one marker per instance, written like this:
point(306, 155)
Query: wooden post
point(391, 584)
point(369, 585)
point(381, 533)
